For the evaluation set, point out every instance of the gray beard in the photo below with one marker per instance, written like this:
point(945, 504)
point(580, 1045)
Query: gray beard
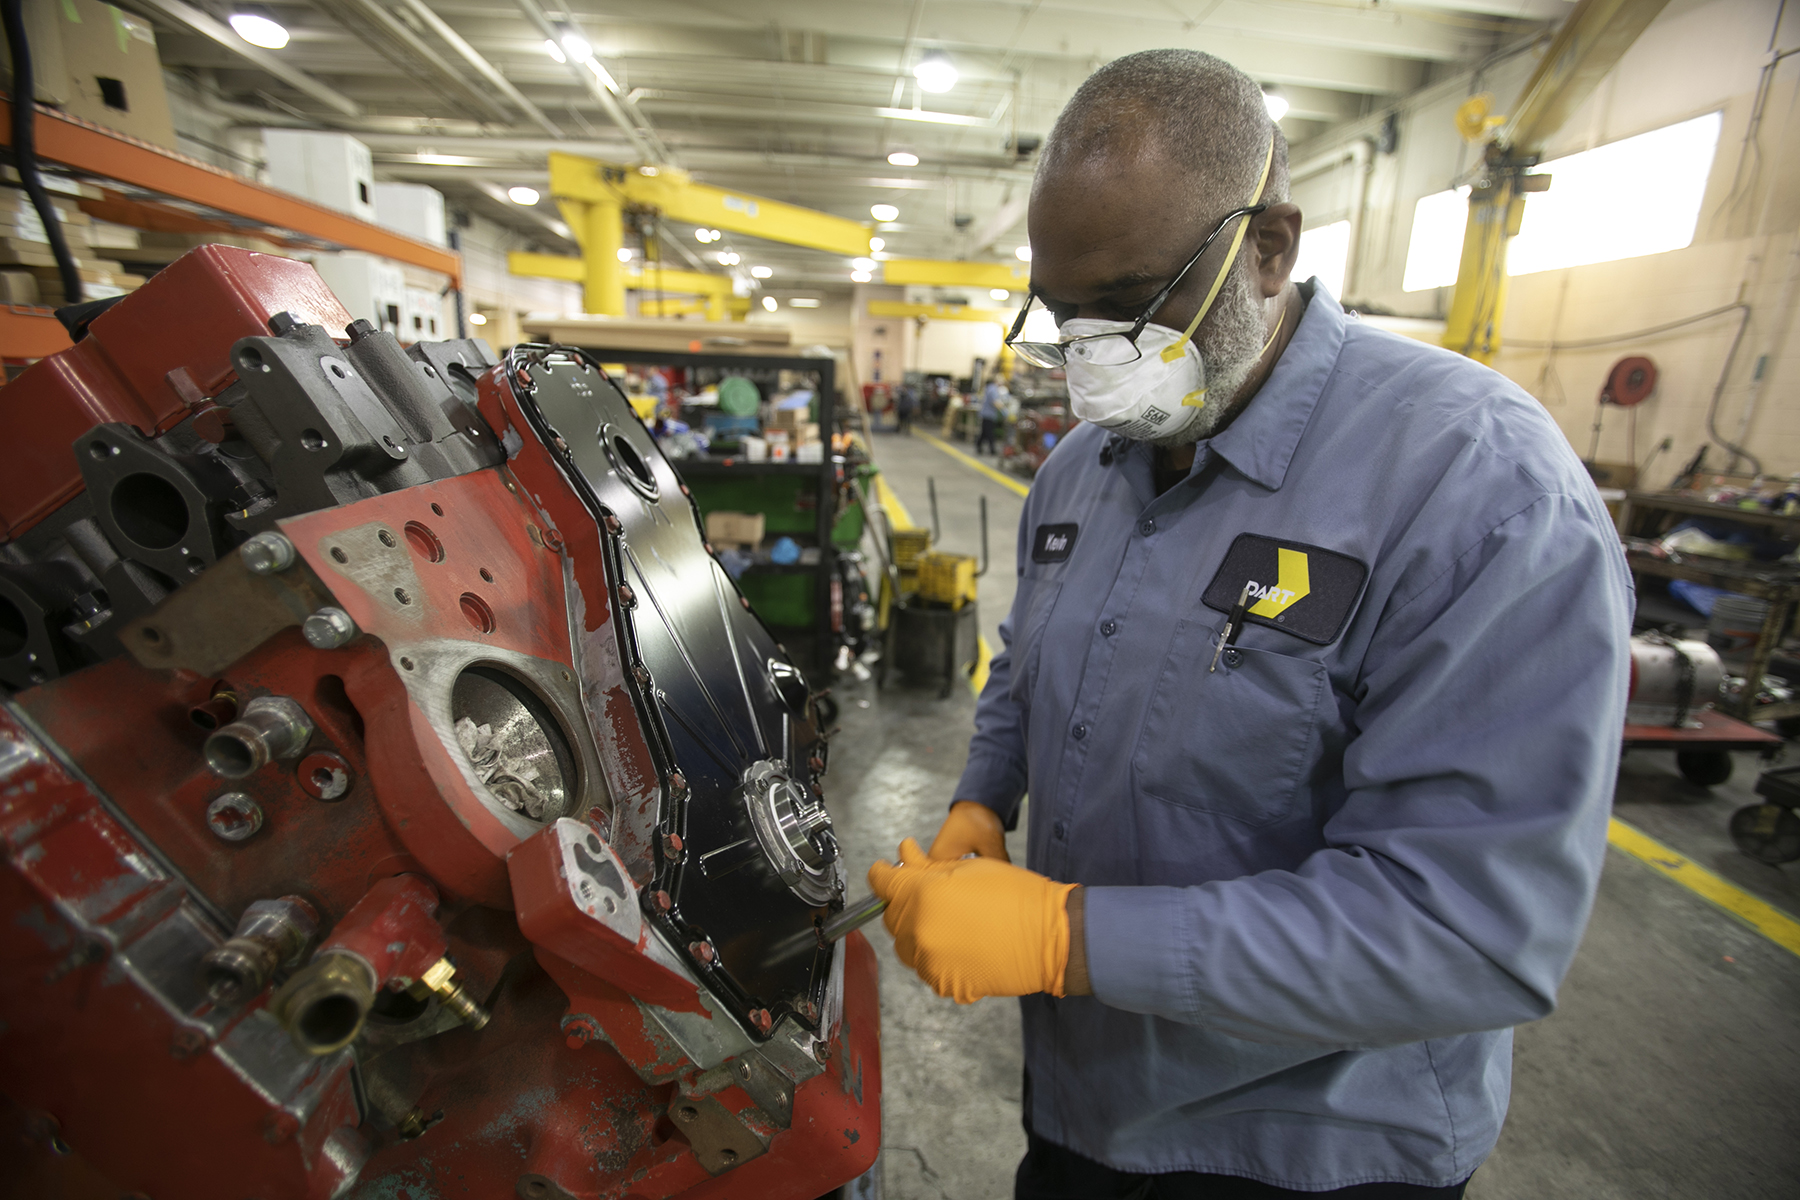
point(1232, 346)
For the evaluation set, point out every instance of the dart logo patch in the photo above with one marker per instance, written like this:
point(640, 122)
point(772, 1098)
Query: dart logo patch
point(1304, 590)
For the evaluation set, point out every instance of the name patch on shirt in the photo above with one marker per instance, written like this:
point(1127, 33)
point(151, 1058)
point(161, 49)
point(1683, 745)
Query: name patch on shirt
point(1053, 543)
point(1299, 589)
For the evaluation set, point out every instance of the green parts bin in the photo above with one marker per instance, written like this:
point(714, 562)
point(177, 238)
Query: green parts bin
point(738, 397)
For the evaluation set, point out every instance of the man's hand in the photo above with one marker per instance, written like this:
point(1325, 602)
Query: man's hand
point(970, 828)
point(974, 927)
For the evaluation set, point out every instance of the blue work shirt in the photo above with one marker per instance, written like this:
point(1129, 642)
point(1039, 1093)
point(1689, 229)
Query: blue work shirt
point(1324, 880)
point(990, 402)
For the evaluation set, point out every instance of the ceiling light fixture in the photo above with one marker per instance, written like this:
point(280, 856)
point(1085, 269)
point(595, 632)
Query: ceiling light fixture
point(1276, 103)
point(935, 72)
point(555, 51)
point(624, 253)
point(803, 302)
point(1022, 253)
point(703, 235)
point(259, 30)
point(762, 272)
point(477, 319)
point(863, 264)
point(522, 195)
point(903, 158)
point(769, 303)
point(729, 258)
point(860, 277)
point(999, 294)
point(603, 75)
point(884, 212)
point(577, 47)
point(876, 245)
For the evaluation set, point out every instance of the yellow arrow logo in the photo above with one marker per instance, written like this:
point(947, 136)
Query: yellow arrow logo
point(1292, 584)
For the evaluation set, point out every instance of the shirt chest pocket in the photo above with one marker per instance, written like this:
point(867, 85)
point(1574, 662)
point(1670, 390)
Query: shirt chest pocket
point(1236, 742)
point(1032, 604)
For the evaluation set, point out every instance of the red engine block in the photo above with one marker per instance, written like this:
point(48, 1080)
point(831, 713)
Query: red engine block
point(267, 935)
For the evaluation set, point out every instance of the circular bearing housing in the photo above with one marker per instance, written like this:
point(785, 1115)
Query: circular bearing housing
point(795, 832)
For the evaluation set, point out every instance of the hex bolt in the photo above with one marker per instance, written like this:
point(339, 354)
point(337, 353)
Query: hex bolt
point(743, 1070)
point(268, 553)
point(627, 597)
point(270, 728)
point(703, 951)
point(614, 526)
point(663, 902)
point(234, 816)
point(672, 845)
point(578, 1031)
point(553, 541)
point(678, 783)
point(760, 1018)
point(329, 628)
point(641, 673)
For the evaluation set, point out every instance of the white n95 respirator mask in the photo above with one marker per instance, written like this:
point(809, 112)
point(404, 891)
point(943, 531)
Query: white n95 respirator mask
point(1155, 397)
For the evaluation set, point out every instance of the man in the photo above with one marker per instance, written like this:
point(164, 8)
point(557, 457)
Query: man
point(990, 416)
point(906, 401)
point(1315, 674)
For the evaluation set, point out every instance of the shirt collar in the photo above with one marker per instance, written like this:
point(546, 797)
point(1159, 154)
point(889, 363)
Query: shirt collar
point(1261, 441)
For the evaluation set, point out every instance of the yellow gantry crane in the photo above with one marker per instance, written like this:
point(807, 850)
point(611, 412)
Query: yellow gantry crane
point(1589, 44)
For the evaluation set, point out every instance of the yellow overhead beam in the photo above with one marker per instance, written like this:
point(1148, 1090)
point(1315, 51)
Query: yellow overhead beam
point(561, 266)
point(928, 272)
point(1588, 45)
point(546, 266)
point(674, 194)
point(652, 280)
point(938, 312)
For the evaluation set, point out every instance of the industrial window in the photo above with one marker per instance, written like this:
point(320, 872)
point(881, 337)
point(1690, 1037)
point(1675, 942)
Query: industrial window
point(1324, 252)
point(1633, 197)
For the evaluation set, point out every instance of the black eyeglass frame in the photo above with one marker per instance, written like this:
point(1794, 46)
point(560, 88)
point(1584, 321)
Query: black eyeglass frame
point(1059, 349)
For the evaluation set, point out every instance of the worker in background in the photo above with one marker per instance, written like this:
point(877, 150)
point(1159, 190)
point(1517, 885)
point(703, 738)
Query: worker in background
point(906, 402)
point(1315, 676)
point(990, 416)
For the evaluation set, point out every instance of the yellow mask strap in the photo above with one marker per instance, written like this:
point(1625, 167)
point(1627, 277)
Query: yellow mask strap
point(1198, 399)
point(1171, 353)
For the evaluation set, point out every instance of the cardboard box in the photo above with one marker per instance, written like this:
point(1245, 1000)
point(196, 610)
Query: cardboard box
point(18, 287)
point(755, 449)
point(734, 528)
point(810, 452)
point(99, 63)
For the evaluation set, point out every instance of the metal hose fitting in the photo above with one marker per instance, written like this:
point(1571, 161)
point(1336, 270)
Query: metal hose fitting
point(324, 1005)
point(269, 728)
point(270, 934)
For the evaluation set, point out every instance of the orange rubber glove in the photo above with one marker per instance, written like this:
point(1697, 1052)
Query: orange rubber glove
point(974, 927)
point(970, 828)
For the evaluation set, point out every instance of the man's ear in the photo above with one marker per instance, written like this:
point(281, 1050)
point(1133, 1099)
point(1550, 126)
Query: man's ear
point(1276, 246)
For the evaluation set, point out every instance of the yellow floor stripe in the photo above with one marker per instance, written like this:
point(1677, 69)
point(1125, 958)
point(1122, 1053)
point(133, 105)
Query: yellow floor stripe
point(1766, 919)
point(898, 517)
point(969, 460)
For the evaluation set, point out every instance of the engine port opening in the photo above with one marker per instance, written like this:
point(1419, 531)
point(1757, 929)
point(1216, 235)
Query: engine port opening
point(150, 511)
point(231, 755)
point(329, 1022)
point(515, 743)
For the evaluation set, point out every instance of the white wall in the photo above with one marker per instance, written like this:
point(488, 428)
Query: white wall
point(1697, 57)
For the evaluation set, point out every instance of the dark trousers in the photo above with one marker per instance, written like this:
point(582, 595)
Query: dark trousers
point(987, 436)
point(1051, 1172)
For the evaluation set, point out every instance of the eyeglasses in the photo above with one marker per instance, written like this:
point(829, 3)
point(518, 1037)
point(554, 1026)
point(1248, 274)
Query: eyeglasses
point(1111, 349)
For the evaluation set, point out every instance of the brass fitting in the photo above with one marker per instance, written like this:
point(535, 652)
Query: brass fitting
point(324, 1005)
point(468, 1010)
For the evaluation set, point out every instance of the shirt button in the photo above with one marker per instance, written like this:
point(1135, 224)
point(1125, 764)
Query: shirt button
point(1147, 526)
point(1079, 732)
point(1109, 627)
point(1232, 657)
point(1060, 830)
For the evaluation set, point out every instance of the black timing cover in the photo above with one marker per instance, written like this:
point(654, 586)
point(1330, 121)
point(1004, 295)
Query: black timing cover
point(721, 693)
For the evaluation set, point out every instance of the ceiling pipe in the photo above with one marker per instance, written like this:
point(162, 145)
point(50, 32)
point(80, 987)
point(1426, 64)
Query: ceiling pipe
point(586, 77)
point(483, 67)
point(191, 18)
point(401, 42)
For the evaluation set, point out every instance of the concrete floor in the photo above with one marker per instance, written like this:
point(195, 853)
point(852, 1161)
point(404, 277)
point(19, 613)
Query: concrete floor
point(1671, 1069)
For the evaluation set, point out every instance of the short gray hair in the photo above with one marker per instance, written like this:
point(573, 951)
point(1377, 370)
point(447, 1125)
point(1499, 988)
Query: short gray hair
point(1200, 111)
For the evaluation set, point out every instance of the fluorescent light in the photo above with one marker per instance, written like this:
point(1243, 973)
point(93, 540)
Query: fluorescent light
point(935, 72)
point(876, 245)
point(903, 158)
point(933, 118)
point(604, 76)
point(863, 264)
point(999, 294)
point(884, 212)
point(703, 235)
point(259, 31)
point(860, 277)
point(477, 319)
point(624, 253)
point(1277, 105)
point(522, 195)
point(770, 303)
point(1022, 253)
point(762, 272)
point(803, 302)
point(555, 51)
point(578, 47)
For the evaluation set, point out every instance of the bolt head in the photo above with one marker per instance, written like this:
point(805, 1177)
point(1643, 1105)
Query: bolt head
point(329, 628)
point(553, 541)
point(672, 844)
point(234, 817)
point(702, 951)
point(268, 553)
point(762, 1020)
point(663, 901)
